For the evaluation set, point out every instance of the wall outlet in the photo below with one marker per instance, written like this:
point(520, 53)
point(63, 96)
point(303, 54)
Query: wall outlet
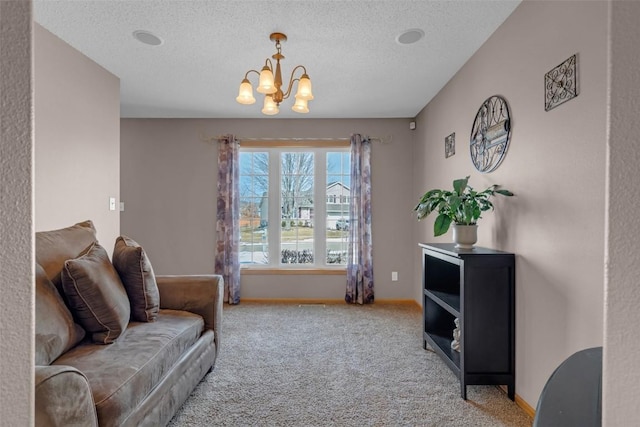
point(394, 276)
point(121, 206)
point(112, 203)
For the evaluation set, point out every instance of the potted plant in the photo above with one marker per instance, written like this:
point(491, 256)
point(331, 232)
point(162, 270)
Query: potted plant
point(463, 207)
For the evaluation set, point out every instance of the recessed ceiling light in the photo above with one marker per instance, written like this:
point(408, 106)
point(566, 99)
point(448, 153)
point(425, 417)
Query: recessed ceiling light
point(410, 36)
point(147, 38)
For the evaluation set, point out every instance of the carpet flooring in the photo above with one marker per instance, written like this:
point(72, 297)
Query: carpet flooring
point(335, 365)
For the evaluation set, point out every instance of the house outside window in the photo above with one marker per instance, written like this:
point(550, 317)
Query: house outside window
point(287, 183)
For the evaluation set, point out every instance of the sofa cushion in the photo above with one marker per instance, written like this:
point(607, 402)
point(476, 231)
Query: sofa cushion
point(96, 295)
point(54, 247)
point(56, 331)
point(135, 270)
point(124, 373)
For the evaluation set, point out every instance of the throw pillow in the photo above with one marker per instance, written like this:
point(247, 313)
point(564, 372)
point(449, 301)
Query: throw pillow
point(135, 270)
point(56, 331)
point(96, 295)
point(54, 247)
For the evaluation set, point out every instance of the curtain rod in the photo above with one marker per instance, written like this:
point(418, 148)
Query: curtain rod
point(384, 139)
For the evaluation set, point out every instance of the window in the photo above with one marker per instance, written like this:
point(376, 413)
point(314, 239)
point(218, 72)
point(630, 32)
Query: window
point(288, 184)
point(254, 207)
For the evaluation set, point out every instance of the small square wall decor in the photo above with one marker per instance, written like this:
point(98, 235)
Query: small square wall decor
point(450, 145)
point(561, 83)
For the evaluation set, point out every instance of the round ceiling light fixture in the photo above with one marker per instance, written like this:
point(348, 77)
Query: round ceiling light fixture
point(410, 36)
point(147, 37)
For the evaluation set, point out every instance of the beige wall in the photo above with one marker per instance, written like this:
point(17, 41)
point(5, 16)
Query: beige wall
point(555, 165)
point(77, 139)
point(16, 223)
point(622, 299)
point(169, 189)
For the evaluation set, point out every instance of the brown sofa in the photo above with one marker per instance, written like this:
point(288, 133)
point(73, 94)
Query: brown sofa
point(145, 374)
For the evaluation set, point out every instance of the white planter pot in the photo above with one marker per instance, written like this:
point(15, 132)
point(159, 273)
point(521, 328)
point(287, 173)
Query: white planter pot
point(464, 236)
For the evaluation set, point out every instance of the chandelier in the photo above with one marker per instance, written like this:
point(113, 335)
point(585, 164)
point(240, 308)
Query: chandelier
point(271, 86)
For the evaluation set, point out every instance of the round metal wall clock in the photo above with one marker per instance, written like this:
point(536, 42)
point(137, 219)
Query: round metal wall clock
point(490, 134)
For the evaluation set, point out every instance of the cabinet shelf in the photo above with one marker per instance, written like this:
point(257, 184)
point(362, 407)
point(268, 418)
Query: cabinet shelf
point(450, 302)
point(442, 346)
point(477, 286)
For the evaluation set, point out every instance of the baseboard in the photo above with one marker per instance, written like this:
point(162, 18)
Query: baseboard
point(521, 403)
point(525, 406)
point(292, 300)
point(408, 302)
point(399, 302)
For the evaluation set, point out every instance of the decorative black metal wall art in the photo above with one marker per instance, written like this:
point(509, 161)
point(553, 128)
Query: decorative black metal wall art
point(490, 134)
point(450, 145)
point(561, 83)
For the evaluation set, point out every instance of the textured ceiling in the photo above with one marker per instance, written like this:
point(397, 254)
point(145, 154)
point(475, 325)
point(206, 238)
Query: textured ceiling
point(357, 68)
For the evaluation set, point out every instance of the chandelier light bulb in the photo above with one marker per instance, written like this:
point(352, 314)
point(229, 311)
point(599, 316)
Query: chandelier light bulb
point(300, 106)
point(304, 88)
point(245, 93)
point(267, 84)
point(270, 108)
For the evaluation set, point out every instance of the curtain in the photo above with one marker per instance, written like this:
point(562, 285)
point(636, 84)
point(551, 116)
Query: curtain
point(227, 262)
point(359, 260)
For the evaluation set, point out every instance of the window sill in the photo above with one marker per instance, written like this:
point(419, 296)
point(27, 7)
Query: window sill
point(294, 271)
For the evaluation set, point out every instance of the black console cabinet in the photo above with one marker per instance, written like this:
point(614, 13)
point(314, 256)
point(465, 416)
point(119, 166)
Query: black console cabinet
point(477, 286)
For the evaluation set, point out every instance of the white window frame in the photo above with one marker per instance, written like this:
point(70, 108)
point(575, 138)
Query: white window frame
point(274, 150)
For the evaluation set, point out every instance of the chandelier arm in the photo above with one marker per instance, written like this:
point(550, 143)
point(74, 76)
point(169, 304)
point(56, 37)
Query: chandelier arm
point(246, 76)
point(292, 80)
point(268, 62)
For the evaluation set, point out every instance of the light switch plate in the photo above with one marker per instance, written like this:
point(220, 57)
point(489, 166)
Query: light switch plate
point(112, 203)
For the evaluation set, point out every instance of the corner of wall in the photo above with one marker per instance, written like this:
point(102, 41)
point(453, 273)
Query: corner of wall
point(17, 309)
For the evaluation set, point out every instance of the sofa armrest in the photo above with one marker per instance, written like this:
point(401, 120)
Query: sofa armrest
point(199, 294)
point(63, 397)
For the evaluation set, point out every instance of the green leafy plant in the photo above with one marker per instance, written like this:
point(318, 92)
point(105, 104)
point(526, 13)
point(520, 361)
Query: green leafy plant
point(462, 206)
